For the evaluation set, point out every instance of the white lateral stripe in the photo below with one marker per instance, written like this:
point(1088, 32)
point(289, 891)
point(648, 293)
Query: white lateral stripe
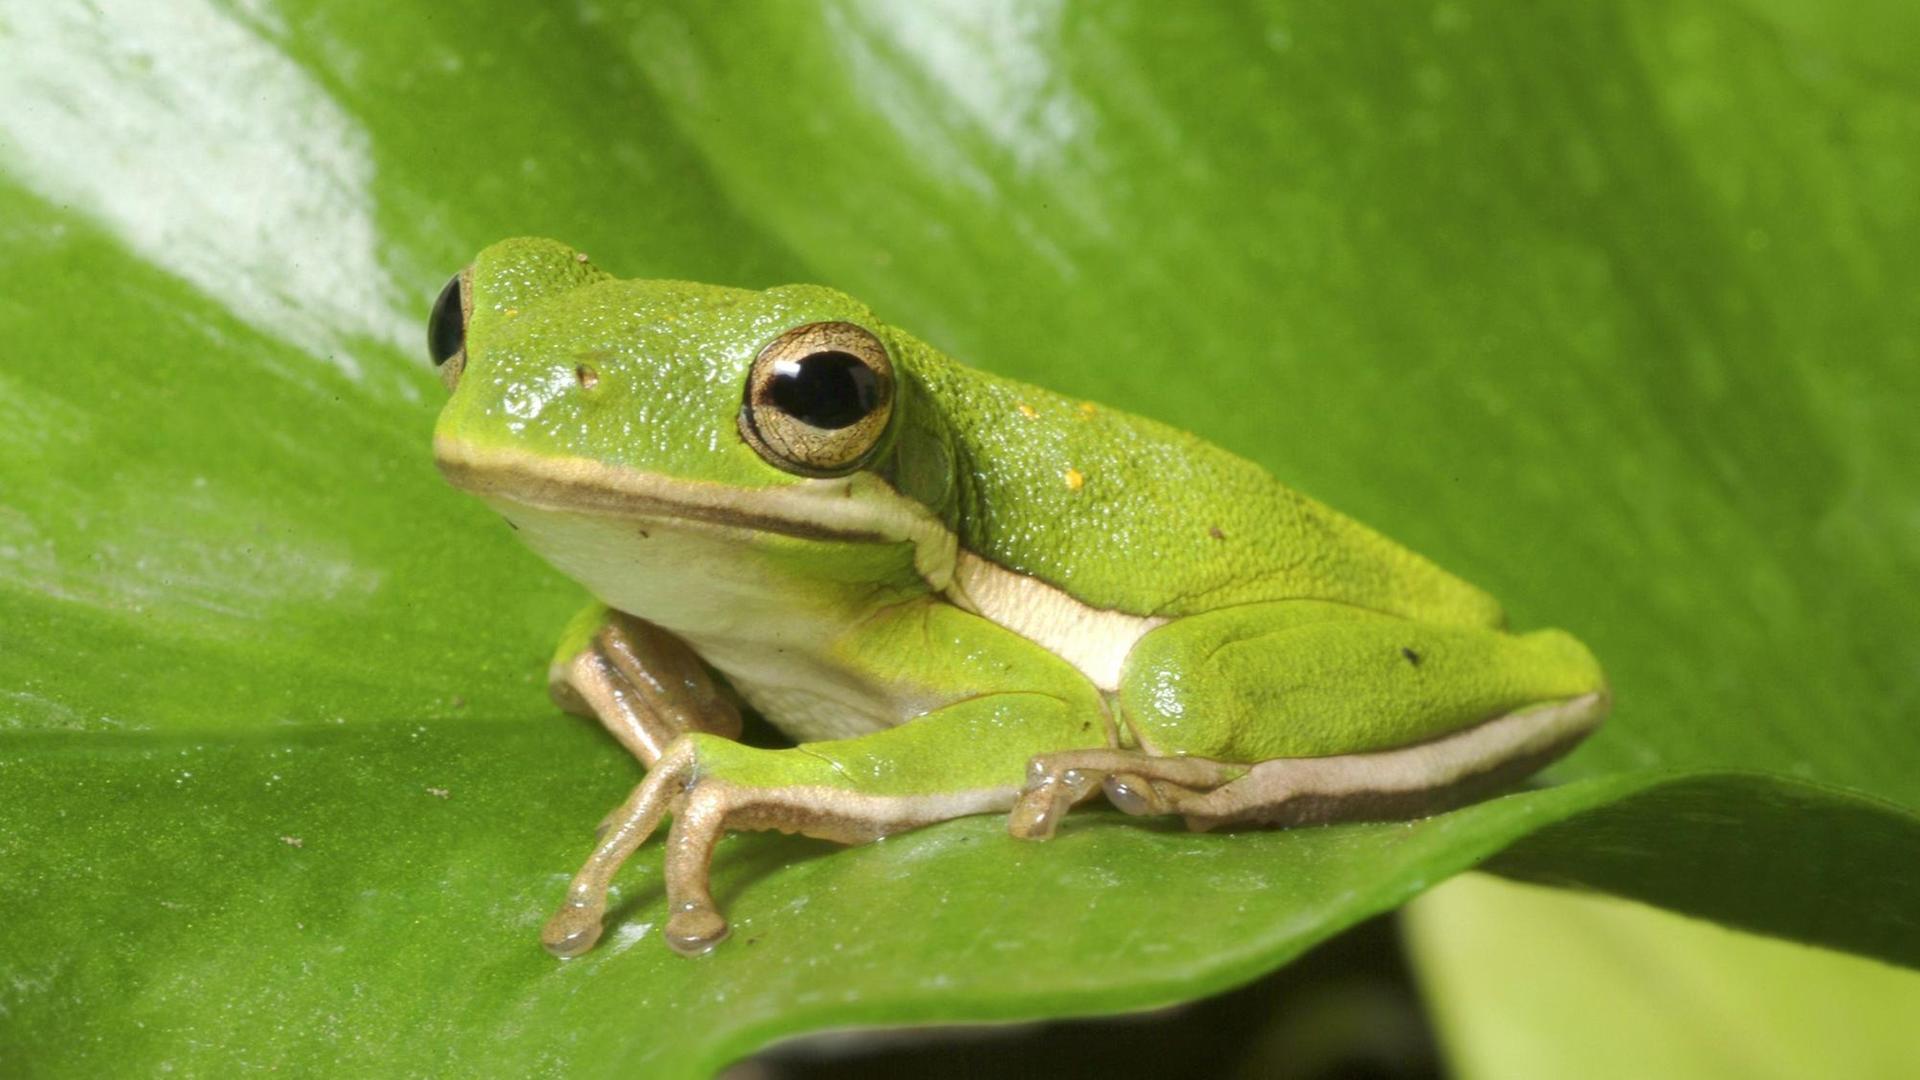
point(1437, 763)
point(1095, 640)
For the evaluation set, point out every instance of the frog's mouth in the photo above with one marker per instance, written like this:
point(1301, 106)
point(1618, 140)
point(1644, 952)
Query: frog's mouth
point(858, 508)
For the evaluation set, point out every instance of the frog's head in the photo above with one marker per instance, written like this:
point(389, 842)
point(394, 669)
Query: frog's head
point(577, 392)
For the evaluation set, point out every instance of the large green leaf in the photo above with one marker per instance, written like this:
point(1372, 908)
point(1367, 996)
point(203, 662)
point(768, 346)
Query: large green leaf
point(1606, 309)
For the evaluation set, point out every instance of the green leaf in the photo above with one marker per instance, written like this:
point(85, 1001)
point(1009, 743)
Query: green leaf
point(1527, 982)
point(1602, 308)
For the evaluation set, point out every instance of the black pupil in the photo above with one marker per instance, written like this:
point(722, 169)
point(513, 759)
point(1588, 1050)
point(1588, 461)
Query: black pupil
point(447, 326)
point(828, 389)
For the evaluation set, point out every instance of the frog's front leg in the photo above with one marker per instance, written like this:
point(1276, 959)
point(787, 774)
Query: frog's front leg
point(1007, 702)
point(849, 791)
point(1303, 712)
point(642, 683)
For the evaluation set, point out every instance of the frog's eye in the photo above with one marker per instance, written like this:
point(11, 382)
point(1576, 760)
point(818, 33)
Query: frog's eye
point(447, 327)
point(818, 399)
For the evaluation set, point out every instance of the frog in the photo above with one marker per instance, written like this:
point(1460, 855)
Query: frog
point(955, 593)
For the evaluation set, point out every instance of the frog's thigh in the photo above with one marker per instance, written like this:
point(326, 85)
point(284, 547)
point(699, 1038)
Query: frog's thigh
point(641, 682)
point(1304, 712)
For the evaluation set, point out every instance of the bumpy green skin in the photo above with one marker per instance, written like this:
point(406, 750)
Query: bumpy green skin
point(1293, 631)
point(1216, 529)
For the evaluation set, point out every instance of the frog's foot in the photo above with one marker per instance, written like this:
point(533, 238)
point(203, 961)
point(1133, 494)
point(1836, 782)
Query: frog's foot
point(641, 682)
point(1135, 782)
point(576, 926)
point(693, 923)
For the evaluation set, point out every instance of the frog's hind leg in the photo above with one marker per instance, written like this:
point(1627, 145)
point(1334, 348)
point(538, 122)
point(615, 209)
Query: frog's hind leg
point(1303, 712)
point(1411, 781)
point(643, 684)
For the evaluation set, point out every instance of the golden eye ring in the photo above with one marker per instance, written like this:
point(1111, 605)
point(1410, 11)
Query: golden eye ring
point(818, 399)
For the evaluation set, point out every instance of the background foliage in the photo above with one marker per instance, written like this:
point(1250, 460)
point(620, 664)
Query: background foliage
point(1605, 307)
point(1628, 990)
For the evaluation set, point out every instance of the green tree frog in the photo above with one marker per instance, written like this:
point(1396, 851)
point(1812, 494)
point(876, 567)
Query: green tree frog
point(958, 594)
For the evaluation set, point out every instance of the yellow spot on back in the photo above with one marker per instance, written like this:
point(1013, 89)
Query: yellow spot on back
point(1075, 479)
point(1026, 410)
point(511, 312)
point(1086, 409)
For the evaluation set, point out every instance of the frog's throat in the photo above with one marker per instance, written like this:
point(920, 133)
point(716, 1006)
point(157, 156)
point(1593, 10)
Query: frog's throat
point(860, 508)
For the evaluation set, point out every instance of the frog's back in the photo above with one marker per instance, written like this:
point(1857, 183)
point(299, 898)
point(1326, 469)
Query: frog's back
point(1132, 515)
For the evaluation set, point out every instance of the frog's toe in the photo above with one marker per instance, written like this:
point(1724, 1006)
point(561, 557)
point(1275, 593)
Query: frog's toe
point(694, 928)
point(1035, 816)
point(1135, 782)
point(572, 931)
point(1132, 794)
point(1054, 784)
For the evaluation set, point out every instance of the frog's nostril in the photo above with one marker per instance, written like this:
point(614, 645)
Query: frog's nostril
point(586, 376)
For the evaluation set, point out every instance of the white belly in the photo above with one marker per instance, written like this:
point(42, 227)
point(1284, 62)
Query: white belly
point(771, 635)
point(807, 708)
